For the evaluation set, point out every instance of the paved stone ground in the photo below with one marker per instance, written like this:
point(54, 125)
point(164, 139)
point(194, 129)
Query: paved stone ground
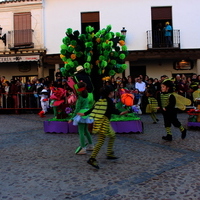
point(43, 166)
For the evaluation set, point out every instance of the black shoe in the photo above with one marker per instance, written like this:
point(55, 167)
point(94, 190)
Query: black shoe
point(157, 120)
point(112, 157)
point(154, 122)
point(93, 162)
point(183, 135)
point(167, 137)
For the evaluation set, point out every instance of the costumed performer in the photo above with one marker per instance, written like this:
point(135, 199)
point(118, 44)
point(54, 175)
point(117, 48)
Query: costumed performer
point(167, 103)
point(44, 102)
point(57, 98)
point(152, 105)
point(82, 122)
point(81, 75)
point(101, 113)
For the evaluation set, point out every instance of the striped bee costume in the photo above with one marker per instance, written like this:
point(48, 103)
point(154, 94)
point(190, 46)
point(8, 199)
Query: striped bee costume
point(101, 113)
point(152, 107)
point(168, 101)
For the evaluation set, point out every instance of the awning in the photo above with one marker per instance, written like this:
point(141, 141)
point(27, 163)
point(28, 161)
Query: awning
point(19, 58)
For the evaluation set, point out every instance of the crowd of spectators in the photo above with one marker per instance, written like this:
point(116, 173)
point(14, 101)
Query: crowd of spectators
point(30, 90)
point(183, 85)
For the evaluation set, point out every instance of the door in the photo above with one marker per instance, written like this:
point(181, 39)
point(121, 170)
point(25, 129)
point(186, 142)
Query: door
point(159, 16)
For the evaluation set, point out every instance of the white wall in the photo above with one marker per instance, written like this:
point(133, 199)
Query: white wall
point(135, 16)
point(6, 20)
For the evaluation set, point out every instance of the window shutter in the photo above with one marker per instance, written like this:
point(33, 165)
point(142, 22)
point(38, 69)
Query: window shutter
point(90, 17)
point(22, 29)
point(161, 13)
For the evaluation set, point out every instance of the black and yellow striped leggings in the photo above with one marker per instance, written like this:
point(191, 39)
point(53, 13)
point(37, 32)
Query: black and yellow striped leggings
point(103, 129)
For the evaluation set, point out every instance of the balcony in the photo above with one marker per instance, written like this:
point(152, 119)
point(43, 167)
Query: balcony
point(157, 40)
point(20, 39)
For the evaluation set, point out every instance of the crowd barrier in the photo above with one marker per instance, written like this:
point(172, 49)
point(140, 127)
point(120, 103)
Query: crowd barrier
point(19, 101)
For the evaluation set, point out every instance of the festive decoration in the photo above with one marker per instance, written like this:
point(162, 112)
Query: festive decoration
point(104, 51)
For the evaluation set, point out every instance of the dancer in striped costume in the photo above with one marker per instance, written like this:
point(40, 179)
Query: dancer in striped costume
point(152, 105)
point(167, 103)
point(101, 113)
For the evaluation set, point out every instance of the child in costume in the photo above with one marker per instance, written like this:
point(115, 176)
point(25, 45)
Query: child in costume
point(82, 122)
point(167, 103)
point(101, 113)
point(44, 102)
point(152, 105)
point(57, 98)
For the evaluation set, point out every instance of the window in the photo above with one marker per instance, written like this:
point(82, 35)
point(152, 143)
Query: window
point(22, 29)
point(90, 19)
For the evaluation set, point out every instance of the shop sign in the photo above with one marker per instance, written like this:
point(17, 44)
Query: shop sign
point(19, 58)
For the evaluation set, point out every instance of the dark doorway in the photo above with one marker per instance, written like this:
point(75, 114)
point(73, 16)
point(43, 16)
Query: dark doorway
point(135, 71)
point(51, 74)
point(159, 16)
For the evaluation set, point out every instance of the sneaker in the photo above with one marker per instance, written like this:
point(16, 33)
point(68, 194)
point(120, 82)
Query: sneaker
point(93, 162)
point(112, 157)
point(183, 135)
point(90, 147)
point(167, 137)
point(80, 151)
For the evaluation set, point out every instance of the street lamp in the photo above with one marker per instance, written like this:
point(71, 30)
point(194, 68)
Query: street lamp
point(3, 38)
point(123, 31)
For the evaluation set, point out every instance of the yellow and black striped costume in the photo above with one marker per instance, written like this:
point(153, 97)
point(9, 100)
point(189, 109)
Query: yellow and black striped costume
point(152, 106)
point(101, 114)
point(164, 97)
point(168, 101)
point(101, 122)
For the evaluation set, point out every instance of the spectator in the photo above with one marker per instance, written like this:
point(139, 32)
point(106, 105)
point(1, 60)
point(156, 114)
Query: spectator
point(3, 80)
point(168, 34)
point(39, 86)
point(140, 85)
point(7, 99)
point(113, 82)
point(124, 80)
point(58, 74)
point(150, 85)
point(146, 79)
point(156, 84)
point(130, 85)
point(1, 93)
point(163, 77)
point(15, 88)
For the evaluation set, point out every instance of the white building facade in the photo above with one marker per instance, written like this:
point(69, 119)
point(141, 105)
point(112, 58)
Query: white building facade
point(37, 51)
point(22, 39)
point(140, 19)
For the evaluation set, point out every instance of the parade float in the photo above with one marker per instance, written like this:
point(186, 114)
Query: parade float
point(101, 54)
point(194, 114)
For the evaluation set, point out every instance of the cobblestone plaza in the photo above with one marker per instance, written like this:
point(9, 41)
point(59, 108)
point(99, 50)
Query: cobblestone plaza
point(43, 166)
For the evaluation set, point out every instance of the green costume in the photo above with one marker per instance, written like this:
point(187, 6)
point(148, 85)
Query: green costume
point(82, 106)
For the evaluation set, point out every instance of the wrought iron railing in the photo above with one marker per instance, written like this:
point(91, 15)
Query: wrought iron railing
point(157, 40)
point(20, 39)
